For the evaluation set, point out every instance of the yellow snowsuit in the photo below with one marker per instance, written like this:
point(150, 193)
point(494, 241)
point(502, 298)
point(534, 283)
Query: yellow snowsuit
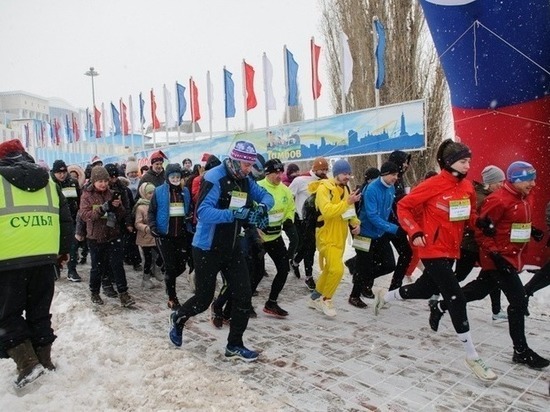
point(330, 238)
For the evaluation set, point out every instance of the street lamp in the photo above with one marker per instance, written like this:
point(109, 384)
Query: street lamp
point(92, 73)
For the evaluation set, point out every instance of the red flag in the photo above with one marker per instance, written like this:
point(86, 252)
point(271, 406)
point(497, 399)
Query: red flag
point(315, 83)
point(156, 123)
point(97, 121)
point(76, 131)
point(124, 115)
point(195, 111)
point(249, 81)
point(56, 127)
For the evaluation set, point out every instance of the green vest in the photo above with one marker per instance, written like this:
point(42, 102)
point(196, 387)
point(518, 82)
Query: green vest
point(29, 221)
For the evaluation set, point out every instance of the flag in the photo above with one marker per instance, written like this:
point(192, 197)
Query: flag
point(229, 87)
point(380, 51)
point(76, 131)
point(268, 87)
point(292, 79)
point(124, 118)
point(195, 110)
point(249, 82)
point(169, 116)
point(346, 63)
point(27, 136)
point(315, 83)
point(141, 110)
point(209, 90)
point(182, 103)
point(155, 120)
point(56, 127)
point(116, 119)
point(68, 130)
point(131, 111)
point(97, 120)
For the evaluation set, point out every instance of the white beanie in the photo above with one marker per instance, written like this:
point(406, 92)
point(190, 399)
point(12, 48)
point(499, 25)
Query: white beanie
point(132, 165)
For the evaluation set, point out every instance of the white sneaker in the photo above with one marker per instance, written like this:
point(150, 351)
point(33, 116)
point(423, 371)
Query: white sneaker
point(481, 370)
point(315, 304)
point(500, 316)
point(379, 301)
point(328, 307)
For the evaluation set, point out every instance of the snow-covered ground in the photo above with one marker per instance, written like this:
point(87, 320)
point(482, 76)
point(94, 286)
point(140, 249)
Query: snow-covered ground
point(111, 358)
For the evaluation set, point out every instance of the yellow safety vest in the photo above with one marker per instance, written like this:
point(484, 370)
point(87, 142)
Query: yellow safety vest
point(29, 221)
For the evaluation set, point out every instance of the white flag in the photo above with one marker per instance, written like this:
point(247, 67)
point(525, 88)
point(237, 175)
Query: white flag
point(209, 89)
point(170, 121)
point(346, 62)
point(268, 87)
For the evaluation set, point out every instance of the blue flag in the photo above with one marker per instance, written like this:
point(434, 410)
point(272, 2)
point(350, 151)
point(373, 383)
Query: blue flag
point(380, 51)
point(182, 103)
point(68, 129)
point(141, 107)
point(292, 79)
point(229, 87)
point(116, 119)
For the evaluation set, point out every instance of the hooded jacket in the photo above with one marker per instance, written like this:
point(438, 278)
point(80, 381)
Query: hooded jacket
point(71, 188)
point(95, 218)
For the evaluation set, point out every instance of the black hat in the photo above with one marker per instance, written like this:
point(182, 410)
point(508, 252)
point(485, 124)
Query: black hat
point(59, 166)
point(112, 170)
point(389, 168)
point(273, 166)
point(450, 152)
point(372, 173)
point(173, 168)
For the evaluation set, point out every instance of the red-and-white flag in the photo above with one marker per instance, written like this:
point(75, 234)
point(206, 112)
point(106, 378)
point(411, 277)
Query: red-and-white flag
point(156, 123)
point(315, 83)
point(251, 101)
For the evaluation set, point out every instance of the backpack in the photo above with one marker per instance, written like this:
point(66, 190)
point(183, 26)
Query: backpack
point(310, 213)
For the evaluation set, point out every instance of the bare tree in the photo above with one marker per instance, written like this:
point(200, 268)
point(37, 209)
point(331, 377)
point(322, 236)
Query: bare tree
point(412, 68)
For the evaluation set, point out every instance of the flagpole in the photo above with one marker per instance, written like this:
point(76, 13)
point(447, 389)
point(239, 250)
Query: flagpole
point(225, 94)
point(153, 122)
point(164, 90)
point(103, 122)
point(287, 108)
point(264, 57)
point(314, 75)
point(131, 109)
point(342, 74)
point(376, 91)
point(244, 96)
point(209, 99)
point(179, 125)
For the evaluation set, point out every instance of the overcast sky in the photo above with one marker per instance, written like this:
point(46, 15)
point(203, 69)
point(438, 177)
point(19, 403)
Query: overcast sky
point(136, 45)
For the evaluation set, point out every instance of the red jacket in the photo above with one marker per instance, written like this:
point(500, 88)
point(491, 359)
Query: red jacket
point(434, 197)
point(504, 207)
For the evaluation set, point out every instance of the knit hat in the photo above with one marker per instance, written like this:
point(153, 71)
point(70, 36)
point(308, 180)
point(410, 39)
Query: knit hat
point(320, 163)
point(292, 168)
point(173, 168)
point(144, 188)
point(95, 160)
point(521, 172)
point(450, 152)
point(158, 156)
point(492, 174)
point(99, 173)
point(112, 170)
point(11, 149)
point(372, 173)
point(273, 166)
point(341, 166)
point(59, 166)
point(389, 168)
point(243, 151)
point(132, 165)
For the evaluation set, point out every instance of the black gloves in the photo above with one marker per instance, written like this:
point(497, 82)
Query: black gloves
point(503, 266)
point(287, 224)
point(537, 234)
point(486, 225)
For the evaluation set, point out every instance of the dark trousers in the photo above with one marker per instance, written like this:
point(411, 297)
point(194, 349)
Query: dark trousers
point(174, 254)
point(148, 257)
point(131, 250)
point(107, 257)
point(291, 232)
point(369, 265)
point(27, 290)
point(515, 293)
point(540, 280)
point(464, 266)
point(276, 250)
point(401, 244)
point(207, 265)
point(439, 277)
point(73, 255)
point(306, 246)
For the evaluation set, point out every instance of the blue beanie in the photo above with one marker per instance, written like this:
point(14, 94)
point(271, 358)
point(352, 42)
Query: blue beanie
point(521, 172)
point(341, 166)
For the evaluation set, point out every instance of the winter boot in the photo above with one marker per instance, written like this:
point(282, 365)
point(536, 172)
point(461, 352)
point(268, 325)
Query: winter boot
point(146, 281)
point(28, 366)
point(44, 356)
point(110, 291)
point(126, 300)
point(157, 272)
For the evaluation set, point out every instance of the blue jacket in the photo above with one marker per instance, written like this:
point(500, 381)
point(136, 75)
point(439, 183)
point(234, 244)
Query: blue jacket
point(159, 209)
point(375, 211)
point(217, 228)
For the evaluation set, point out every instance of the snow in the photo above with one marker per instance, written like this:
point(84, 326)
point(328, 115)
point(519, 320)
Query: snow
point(113, 358)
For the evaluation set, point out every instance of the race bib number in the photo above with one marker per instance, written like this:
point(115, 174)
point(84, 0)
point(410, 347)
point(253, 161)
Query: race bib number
point(69, 192)
point(176, 209)
point(238, 199)
point(276, 217)
point(520, 233)
point(349, 213)
point(361, 243)
point(459, 210)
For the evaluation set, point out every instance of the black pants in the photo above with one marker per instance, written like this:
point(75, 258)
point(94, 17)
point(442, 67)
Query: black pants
point(174, 255)
point(31, 291)
point(369, 265)
point(439, 277)
point(306, 246)
point(401, 244)
point(464, 266)
point(131, 250)
point(291, 232)
point(276, 250)
point(207, 265)
point(540, 280)
point(148, 257)
point(73, 255)
point(515, 293)
point(107, 258)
